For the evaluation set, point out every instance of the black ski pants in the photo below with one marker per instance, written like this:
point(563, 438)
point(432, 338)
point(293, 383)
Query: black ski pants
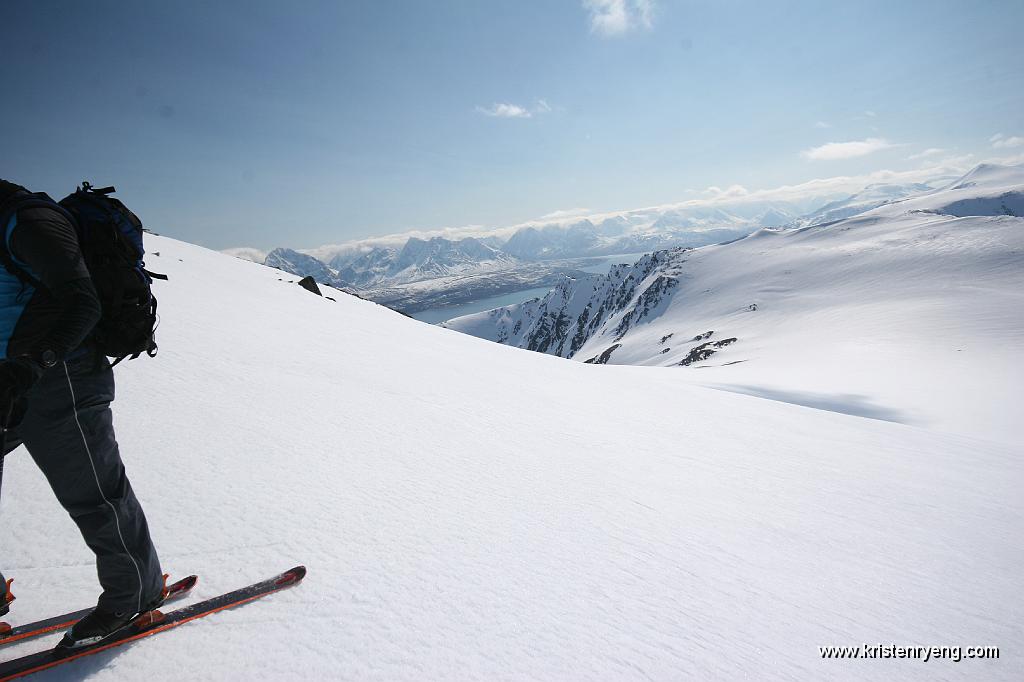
point(68, 429)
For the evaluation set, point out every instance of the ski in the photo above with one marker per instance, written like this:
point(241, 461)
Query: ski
point(9, 635)
point(150, 623)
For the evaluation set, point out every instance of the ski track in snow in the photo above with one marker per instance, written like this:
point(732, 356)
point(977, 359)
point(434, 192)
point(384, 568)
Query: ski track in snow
point(472, 511)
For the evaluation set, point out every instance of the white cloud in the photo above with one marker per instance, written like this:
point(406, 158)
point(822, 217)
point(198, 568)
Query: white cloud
point(960, 161)
point(931, 151)
point(731, 192)
point(870, 113)
point(247, 253)
point(833, 151)
point(566, 213)
point(1000, 141)
point(1013, 160)
point(822, 124)
point(615, 17)
point(813, 188)
point(503, 110)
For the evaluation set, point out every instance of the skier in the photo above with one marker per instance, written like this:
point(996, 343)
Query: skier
point(55, 394)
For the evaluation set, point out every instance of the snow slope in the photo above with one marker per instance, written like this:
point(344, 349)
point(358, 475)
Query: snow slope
point(988, 189)
point(472, 511)
point(870, 197)
point(912, 312)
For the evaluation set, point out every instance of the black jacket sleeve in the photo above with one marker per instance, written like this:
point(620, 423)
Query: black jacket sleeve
point(46, 242)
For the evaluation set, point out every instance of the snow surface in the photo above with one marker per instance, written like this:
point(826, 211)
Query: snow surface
point(473, 511)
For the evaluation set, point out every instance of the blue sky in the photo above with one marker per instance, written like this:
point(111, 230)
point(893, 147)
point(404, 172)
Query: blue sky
point(267, 123)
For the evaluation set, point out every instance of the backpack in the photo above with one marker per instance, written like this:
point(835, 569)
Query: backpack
point(110, 237)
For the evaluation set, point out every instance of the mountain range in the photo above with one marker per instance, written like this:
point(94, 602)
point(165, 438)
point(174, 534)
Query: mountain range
point(427, 273)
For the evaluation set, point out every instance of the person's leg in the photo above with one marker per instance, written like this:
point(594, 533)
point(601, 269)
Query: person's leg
point(68, 429)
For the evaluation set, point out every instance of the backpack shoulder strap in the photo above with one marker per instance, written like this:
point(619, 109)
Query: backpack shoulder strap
point(8, 221)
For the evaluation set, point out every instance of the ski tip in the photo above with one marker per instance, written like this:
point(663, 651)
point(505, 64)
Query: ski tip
point(292, 576)
point(185, 583)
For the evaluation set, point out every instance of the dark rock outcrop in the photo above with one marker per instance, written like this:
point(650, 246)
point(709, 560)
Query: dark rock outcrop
point(309, 284)
point(698, 354)
point(705, 350)
point(604, 357)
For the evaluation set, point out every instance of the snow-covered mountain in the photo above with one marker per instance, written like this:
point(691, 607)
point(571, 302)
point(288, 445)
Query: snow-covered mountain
point(437, 257)
point(364, 269)
point(988, 189)
point(635, 234)
point(301, 264)
point(897, 304)
point(570, 315)
point(469, 510)
point(553, 241)
point(425, 273)
point(869, 198)
point(418, 260)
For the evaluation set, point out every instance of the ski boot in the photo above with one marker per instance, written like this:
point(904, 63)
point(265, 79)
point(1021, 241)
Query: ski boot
point(101, 624)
